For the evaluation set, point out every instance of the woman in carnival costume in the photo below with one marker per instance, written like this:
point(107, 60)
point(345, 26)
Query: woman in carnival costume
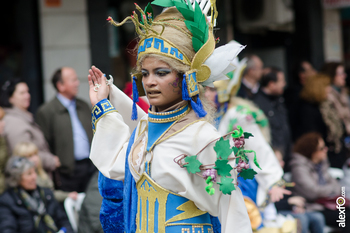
point(165, 159)
point(267, 186)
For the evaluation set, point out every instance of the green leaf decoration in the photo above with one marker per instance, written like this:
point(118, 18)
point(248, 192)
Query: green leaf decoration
point(235, 150)
point(193, 164)
point(247, 135)
point(230, 74)
point(186, 13)
point(263, 122)
point(247, 173)
point(237, 160)
point(194, 18)
point(254, 115)
point(199, 33)
point(242, 155)
point(226, 185)
point(222, 167)
point(148, 10)
point(222, 148)
point(163, 3)
point(256, 161)
point(239, 108)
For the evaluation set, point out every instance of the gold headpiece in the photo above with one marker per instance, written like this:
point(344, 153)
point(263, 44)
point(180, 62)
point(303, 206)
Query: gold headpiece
point(202, 37)
point(201, 34)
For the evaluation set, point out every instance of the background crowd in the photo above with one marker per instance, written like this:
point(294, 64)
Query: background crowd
point(44, 158)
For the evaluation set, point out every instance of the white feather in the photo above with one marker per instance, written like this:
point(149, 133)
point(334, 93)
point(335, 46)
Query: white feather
point(222, 61)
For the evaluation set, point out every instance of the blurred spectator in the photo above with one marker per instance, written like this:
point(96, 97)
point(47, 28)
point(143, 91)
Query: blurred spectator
point(30, 151)
point(66, 123)
point(310, 221)
point(309, 168)
point(251, 77)
point(302, 71)
point(270, 101)
point(336, 114)
point(3, 152)
point(309, 116)
point(19, 122)
point(26, 207)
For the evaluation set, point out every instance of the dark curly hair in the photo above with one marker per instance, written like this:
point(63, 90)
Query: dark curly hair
point(307, 144)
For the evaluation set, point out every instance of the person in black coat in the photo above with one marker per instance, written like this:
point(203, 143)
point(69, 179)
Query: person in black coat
point(27, 208)
point(269, 99)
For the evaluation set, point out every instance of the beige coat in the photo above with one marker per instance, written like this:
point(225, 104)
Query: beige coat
point(306, 179)
point(20, 127)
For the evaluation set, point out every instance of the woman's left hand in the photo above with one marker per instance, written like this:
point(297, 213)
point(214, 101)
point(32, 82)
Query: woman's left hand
point(98, 86)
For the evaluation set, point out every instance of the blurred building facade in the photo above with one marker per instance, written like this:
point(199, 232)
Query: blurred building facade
point(40, 36)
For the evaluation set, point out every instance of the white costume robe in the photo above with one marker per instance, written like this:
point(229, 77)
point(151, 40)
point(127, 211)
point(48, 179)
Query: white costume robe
point(108, 153)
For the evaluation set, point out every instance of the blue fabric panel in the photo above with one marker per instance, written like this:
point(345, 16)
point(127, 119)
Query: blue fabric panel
point(130, 194)
point(111, 212)
point(249, 187)
point(155, 130)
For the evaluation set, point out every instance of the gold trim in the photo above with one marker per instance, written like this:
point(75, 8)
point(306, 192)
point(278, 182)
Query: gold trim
point(203, 71)
point(189, 224)
point(189, 209)
point(170, 119)
point(144, 129)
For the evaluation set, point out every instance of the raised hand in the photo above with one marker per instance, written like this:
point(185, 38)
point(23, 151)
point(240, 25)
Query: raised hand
point(98, 85)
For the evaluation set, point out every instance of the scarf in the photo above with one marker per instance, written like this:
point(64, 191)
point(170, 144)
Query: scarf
point(35, 204)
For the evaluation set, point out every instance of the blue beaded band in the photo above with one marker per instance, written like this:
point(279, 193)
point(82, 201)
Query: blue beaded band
point(99, 110)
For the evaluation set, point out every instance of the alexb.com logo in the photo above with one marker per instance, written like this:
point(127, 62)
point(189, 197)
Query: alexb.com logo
point(341, 207)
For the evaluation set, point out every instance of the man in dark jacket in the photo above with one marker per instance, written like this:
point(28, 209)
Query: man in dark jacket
point(269, 99)
point(66, 124)
point(251, 77)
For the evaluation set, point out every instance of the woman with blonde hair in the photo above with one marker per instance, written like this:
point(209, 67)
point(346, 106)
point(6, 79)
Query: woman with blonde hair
point(309, 116)
point(30, 151)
